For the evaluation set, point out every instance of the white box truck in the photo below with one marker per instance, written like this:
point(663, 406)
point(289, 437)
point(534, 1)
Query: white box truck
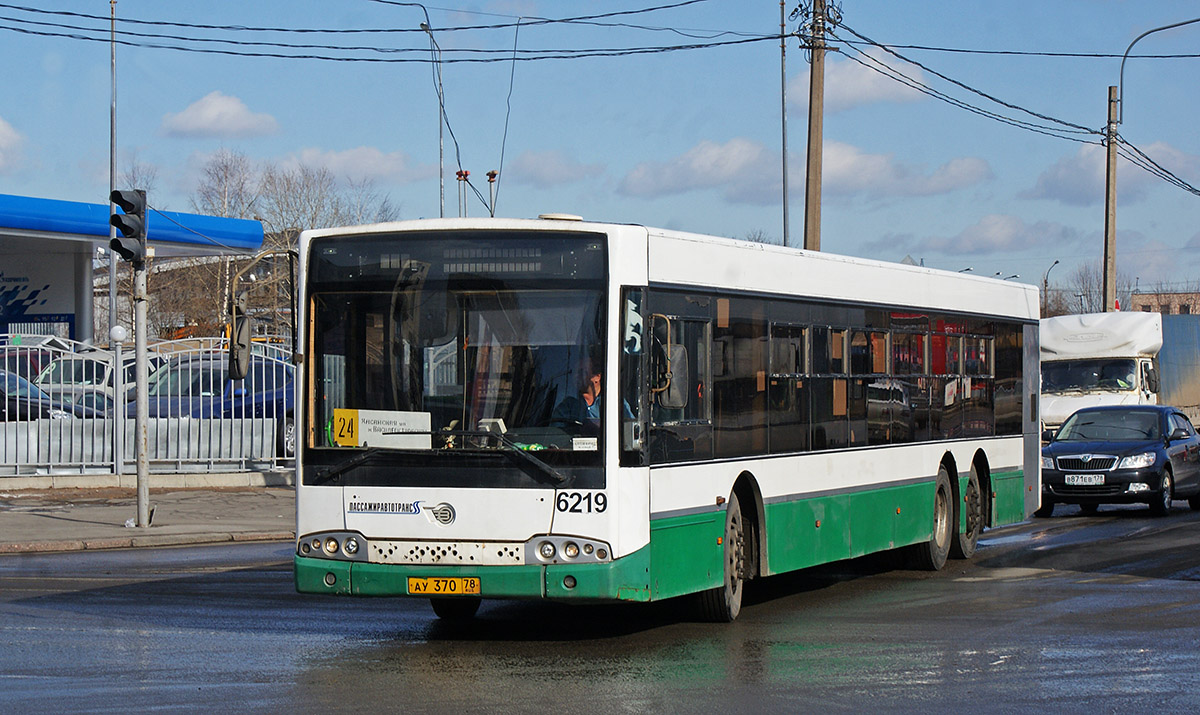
point(1119, 359)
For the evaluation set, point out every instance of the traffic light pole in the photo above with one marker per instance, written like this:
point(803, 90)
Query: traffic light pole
point(142, 381)
point(131, 246)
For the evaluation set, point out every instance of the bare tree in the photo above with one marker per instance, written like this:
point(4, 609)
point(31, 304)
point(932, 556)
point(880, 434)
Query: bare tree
point(140, 175)
point(228, 186)
point(1086, 287)
point(758, 236)
point(300, 198)
point(364, 204)
point(287, 201)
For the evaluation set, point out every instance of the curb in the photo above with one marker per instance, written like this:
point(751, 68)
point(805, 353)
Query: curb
point(185, 480)
point(157, 540)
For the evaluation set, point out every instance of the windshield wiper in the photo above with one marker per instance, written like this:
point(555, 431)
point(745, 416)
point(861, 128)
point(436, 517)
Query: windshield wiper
point(511, 449)
point(345, 465)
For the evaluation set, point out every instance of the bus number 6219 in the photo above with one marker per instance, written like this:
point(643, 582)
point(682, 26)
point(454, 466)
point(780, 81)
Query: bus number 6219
point(581, 502)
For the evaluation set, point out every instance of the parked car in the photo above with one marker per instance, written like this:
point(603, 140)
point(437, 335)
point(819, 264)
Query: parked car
point(88, 378)
point(1122, 454)
point(23, 361)
point(21, 400)
point(197, 386)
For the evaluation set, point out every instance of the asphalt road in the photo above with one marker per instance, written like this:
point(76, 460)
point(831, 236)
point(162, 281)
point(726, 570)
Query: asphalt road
point(1069, 614)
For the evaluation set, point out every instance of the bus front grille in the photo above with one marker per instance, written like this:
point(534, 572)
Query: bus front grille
point(447, 553)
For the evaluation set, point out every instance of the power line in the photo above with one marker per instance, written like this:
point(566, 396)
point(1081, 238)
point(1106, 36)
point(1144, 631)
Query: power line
point(886, 70)
point(582, 19)
point(1023, 53)
point(545, 55)
point(1079, 128)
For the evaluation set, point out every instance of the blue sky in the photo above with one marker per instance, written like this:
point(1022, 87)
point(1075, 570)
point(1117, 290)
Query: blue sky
point(686, 139)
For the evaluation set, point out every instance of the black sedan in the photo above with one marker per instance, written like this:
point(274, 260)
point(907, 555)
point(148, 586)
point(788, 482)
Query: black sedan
point(1147, 454)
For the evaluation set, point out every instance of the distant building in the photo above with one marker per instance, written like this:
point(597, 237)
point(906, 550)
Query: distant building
point(1166, 303)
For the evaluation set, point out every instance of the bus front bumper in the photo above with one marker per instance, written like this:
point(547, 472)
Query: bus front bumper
point(623, 579)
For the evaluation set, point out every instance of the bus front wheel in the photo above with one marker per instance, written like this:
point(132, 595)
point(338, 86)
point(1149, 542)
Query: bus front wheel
point(931, 555)
point(723, 603)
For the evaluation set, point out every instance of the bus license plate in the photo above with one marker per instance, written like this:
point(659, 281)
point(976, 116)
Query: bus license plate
point(443, 586)
point(1085, 480)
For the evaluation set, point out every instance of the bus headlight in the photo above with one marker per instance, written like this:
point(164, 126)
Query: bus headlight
point(331, 545)
point(351, 546)
point(553, 549)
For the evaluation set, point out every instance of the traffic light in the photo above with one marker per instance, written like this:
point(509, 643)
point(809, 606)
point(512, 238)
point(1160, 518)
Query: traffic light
point(131, 224)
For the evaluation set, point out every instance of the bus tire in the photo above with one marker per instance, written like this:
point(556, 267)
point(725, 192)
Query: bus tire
point(931, 555)
point(723, 603)
point(455, 608)
point(966, 538)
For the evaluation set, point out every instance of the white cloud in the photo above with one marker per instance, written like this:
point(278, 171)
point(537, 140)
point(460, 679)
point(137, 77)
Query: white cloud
point(994, 233)
point(1079, 180)
point(749, 173)
point(218, 115)
point(10, 146)
point(735, 165)
point(850, 171)
point(849, 84)
point(545, 169)
point(362, 162)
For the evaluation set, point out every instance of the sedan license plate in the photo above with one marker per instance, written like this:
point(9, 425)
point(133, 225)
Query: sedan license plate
point(1085, 480)
point(444, 586)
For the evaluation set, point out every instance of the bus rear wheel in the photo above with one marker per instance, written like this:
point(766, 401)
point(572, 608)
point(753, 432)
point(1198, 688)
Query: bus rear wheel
point(931, 555)
point(967, 538)
point(723, 603)
point(455, 608)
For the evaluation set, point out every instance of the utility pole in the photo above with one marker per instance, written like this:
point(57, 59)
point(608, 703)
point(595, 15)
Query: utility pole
point(816, 109)
point(1109, 294)
point(783, 112)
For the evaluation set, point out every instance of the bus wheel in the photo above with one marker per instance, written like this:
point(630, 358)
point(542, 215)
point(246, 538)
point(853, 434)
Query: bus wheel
point(965, 541)
point(931, 555)
point(455, 609)
point(723, 603)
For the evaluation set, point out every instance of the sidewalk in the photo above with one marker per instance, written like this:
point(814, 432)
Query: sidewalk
point(75, 519)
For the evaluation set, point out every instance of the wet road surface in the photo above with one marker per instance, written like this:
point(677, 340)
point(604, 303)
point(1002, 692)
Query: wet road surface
point(1069, 614)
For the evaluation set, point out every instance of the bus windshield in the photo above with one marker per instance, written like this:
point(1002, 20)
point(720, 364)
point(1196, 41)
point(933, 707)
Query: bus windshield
point(458, 344)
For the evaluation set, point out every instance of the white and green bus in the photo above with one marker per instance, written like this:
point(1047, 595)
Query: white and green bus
point(557, 409)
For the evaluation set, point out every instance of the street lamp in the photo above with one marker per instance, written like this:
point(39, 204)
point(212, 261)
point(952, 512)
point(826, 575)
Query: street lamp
point(1116, 111)
point(435, 52)
point(1046, 286)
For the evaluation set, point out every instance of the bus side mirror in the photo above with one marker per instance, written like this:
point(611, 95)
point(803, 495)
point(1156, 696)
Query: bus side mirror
point(674, 394)
point(239, 340)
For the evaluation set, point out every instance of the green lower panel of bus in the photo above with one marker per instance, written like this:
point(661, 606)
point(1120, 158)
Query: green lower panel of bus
point(808, 532)
point(1008, 506)
point(624, 579)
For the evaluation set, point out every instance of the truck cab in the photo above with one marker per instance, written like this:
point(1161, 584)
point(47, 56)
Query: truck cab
point(1098, 359)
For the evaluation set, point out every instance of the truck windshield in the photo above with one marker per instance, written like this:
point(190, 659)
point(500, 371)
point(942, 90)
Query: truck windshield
point(1102, 374)
point(458, 343)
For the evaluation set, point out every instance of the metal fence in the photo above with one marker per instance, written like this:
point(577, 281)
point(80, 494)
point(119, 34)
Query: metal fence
point(68, 408)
